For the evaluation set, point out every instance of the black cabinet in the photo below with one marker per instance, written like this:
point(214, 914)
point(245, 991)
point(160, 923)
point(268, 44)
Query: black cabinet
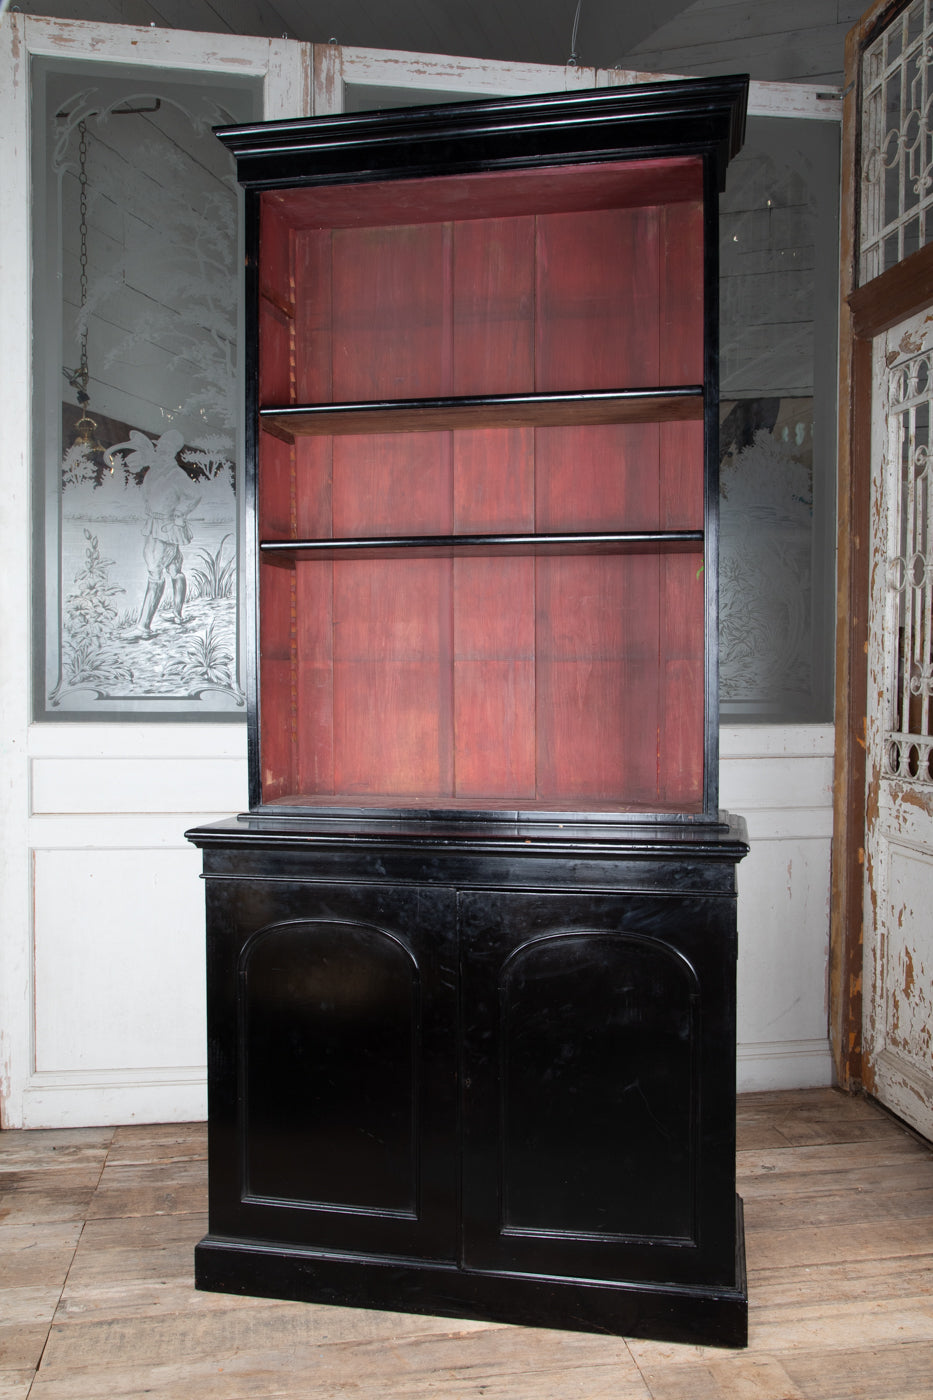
point(471, 952)
point(490, 1077)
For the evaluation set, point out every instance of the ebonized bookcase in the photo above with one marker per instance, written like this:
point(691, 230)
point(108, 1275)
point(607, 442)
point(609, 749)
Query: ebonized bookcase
point(471, 952)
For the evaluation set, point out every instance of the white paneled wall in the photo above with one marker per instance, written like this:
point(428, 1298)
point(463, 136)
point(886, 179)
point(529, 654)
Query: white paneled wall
point(119, 921)
point(780, 780)
point(118, 927)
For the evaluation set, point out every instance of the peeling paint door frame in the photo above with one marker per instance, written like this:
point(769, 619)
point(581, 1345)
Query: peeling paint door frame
point(866, 312)
point(898, 943)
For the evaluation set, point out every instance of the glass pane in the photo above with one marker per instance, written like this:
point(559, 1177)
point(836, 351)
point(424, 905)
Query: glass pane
point(779, 263)
point(908, 752)
point(136, 296)
point(896, 189)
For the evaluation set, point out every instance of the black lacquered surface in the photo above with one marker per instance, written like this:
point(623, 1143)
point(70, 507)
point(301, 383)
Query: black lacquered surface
point(478, 1063)
point(503, 1066)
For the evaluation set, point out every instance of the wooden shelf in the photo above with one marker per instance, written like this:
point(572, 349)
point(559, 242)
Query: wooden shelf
point(457, 546)
point(394, 807)
point(676, 404)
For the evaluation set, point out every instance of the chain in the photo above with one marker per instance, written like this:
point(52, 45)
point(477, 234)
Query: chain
point(82, 182)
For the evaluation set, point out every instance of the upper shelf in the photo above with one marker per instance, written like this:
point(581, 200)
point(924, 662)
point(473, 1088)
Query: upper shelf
point(669, 405)
point(466, 546)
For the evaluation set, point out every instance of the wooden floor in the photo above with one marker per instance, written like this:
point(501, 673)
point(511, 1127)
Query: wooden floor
point(97, 1228)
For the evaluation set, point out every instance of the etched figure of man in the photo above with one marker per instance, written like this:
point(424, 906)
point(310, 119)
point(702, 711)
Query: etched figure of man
point(169, 496)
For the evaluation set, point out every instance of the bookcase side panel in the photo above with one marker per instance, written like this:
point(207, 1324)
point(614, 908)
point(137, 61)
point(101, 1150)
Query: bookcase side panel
point(276, 307)
point(277, 679)
point(681, 485)
point(314, 379)
point(681, 713)
point(681, 285)
point(681, 688)
point(276, 487)
point(276, 354)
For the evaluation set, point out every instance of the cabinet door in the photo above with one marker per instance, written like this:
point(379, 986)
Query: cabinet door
point(599, 1118)
point(332, 1121)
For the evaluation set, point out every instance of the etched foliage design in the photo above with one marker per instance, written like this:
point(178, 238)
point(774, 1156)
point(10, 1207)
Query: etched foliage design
point(146, 549)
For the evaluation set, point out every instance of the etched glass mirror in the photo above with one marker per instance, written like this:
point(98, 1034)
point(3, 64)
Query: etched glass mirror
point(136, 288)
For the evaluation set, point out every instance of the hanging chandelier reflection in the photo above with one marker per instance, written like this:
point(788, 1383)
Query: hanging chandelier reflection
point(85, 430)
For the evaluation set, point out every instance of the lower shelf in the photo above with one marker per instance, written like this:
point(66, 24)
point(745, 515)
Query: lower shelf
point(703, 1315)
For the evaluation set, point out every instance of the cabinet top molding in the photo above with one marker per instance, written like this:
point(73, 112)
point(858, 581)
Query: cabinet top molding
point(702, 116)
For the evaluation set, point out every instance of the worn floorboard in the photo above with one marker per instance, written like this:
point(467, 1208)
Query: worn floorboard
point(97, 1229)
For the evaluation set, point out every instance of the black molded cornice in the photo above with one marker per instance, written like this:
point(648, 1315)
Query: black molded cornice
point(702, 116)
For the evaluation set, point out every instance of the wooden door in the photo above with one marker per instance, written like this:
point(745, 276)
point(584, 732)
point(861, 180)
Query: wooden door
point(882, 952)
point(898, 949)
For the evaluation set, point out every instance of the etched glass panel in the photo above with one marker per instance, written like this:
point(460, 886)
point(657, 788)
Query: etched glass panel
point(778, 316)
point(136, 233)
point(895, 216)
point(908, 747)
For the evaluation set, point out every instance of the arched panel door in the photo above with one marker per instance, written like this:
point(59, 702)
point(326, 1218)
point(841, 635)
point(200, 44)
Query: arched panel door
point(329, 1117)
point(596, 1072)
point(330, 1067)
point(597, 1093)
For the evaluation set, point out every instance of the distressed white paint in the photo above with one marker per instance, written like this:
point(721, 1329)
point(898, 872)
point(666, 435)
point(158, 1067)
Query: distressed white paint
point(898, 946)
point(336, 67)
point(438, 74)
point(765, 99)
point(101, 997)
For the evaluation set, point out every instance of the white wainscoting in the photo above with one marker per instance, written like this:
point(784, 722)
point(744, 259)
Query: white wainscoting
point(117, 968)
point(780, 779)
point(118, 1026)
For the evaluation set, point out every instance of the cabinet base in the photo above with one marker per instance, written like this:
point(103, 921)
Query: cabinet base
point(697, 1314)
